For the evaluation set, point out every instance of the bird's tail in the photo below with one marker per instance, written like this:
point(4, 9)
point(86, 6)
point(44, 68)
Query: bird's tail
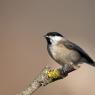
point(91, 63)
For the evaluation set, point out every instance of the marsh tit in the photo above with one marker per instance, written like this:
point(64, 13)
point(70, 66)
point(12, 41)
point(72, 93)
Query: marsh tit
point(65, 52)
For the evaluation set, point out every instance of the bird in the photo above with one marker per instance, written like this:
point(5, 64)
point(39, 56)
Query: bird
point(65, 52)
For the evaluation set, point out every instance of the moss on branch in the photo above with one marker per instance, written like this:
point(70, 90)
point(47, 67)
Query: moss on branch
point(46, 76)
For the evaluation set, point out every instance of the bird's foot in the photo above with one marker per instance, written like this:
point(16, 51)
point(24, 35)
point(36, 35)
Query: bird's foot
point(66, 68)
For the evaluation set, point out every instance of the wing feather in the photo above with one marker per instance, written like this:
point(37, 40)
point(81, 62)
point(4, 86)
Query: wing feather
point(73, 46)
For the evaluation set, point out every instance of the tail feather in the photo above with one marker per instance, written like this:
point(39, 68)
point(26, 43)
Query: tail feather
point(92, 64)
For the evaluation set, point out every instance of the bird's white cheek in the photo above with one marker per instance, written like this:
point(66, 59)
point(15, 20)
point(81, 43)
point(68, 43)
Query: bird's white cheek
point(55, 39)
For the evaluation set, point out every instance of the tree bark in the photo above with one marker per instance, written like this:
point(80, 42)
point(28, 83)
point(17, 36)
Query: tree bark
point(43, 79)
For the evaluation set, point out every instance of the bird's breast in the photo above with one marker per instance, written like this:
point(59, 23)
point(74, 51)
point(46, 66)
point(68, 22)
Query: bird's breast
point(60, 54)
point(63, 55)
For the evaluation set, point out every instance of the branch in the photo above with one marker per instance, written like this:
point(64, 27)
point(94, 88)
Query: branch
point(46, 76)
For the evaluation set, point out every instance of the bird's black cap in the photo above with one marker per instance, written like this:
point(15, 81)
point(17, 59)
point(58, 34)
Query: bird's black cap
point(54, 34)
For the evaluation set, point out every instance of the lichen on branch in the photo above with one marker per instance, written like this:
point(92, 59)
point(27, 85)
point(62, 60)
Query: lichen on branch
point(46, 76)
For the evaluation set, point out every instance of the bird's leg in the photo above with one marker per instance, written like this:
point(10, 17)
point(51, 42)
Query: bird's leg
point(67, 68)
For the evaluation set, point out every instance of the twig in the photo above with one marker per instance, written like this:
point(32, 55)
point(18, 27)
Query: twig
point(46, 76)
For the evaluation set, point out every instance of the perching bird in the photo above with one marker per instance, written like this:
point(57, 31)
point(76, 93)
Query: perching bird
point(65, 52)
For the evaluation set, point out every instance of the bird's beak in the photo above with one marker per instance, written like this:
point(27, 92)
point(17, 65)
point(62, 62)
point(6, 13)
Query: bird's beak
point(45, 36)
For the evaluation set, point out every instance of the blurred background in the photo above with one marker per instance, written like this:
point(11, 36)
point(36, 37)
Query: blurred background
point(23, 51)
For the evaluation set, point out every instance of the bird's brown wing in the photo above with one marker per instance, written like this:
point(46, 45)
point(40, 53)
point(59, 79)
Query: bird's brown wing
point(73, 46)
